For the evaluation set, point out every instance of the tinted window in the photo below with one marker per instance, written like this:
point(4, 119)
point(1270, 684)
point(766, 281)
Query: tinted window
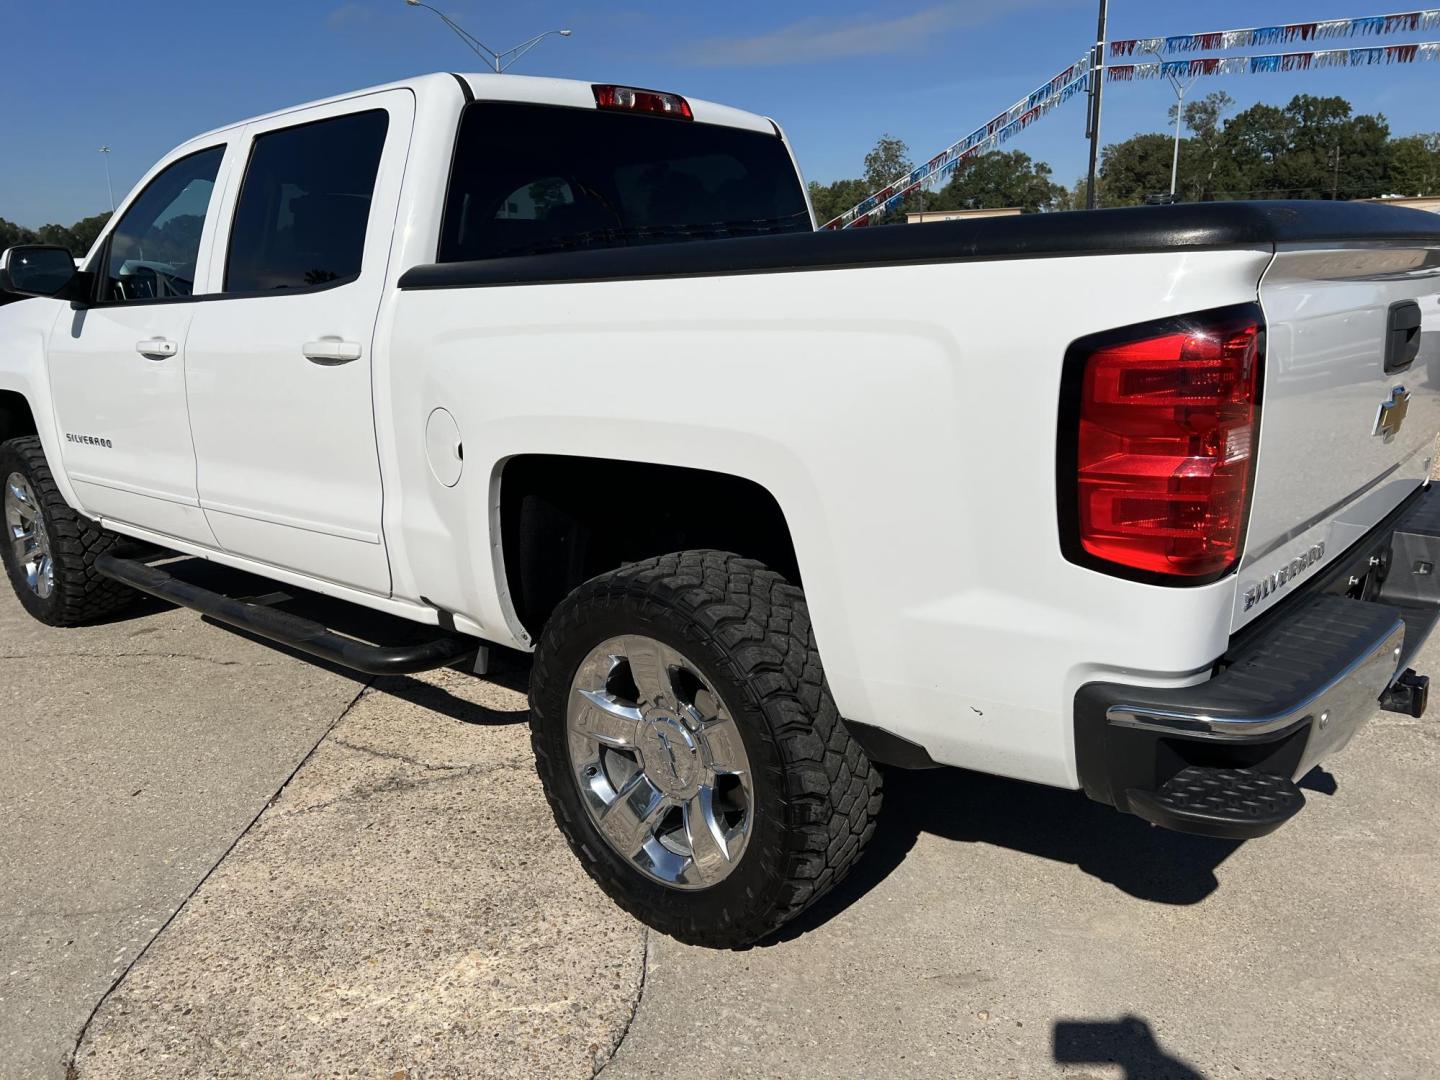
point(300, 220)
point(153, 251)
point(536, 178)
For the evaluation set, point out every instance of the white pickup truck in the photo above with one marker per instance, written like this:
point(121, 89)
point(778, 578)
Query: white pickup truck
point(1128, 501)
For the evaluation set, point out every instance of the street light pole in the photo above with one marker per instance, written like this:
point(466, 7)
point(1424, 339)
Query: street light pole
point(496, 61)
point(110, 188)
point(524, 47)
point(1175, 158)
point(1181, 89)
point(1097, 85)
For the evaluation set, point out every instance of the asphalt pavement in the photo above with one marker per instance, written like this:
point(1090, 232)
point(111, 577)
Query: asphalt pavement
point(999, 929)
point(132, 756)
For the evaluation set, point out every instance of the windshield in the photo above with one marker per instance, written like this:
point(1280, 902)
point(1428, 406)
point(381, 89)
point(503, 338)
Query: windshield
point(529, 179)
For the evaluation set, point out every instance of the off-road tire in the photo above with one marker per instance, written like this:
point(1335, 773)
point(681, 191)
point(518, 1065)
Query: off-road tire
point(816, 794)
point(81, 595)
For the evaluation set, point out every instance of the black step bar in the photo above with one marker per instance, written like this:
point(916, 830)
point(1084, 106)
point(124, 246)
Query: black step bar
point(303, 634)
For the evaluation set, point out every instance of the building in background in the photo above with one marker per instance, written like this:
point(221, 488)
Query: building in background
point(1415, 202)
point(925, 216)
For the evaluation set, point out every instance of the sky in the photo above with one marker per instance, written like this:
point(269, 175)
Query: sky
point(146, 75)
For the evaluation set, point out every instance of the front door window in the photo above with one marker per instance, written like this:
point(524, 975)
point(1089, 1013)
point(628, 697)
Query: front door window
point(154, 250)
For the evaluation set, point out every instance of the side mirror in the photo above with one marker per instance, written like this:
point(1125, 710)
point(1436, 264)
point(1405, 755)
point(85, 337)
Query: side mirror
point(39, 270)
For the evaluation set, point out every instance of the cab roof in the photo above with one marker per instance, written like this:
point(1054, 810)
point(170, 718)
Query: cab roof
point(487, 86)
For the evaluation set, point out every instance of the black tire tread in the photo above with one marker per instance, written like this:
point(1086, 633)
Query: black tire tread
point(82, 595)
point(832, 792)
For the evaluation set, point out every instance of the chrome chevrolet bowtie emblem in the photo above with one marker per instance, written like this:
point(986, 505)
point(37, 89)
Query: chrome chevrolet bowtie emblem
point(669, 752)
point(1392, 413)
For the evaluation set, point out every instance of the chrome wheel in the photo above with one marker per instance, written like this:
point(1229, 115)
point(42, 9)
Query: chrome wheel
point(659, 761)
point(29, 542)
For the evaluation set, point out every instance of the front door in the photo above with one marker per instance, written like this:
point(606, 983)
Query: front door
point(278, 364)
point(117, 368)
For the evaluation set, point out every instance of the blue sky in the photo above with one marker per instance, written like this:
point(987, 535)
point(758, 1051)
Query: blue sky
point(145, 75)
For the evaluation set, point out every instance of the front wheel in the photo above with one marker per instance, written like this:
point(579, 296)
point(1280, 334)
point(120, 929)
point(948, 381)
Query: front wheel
point(49, 550)
point(690, 748)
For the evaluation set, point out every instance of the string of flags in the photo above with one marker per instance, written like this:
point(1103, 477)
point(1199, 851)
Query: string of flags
point(1074, 80)
point(1421, 52)
point(1263, 36)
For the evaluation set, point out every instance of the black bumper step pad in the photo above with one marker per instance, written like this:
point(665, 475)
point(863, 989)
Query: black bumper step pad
point(1236, 804)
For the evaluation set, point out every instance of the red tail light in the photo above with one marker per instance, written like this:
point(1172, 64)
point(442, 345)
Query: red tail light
point(633, 99)
point(1164, 445)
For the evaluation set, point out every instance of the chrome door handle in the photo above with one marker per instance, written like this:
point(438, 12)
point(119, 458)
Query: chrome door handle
point(330, 351)
point(156, 348)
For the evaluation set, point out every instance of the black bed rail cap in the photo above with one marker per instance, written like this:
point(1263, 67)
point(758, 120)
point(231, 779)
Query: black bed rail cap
point(1124, 231)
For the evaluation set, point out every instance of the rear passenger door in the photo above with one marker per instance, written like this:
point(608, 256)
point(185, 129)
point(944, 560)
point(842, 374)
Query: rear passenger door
point(278, 365)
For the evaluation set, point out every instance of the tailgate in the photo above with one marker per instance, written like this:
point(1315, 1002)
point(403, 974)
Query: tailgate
point(1328, 468)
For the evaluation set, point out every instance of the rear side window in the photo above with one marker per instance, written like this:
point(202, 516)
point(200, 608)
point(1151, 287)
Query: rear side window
point(529, 179)
point(300, 219)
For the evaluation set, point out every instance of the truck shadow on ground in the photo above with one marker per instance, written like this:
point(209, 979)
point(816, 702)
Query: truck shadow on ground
point(1065, 826)
point(344, 618)
point(1128, 1043)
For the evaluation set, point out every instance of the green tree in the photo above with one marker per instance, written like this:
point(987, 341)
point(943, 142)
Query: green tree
point(87, 230)
point(1313, 148)
point(57, 234)
point(77, 237)
point(998, 180)
point(831, 200)
point(886, 162)
point(889, 159)
point(1332, 155)
point(1073, 197)
point(12, 234)
point(1137, 167)
point(1208, 166)
point(1414, 167)
point(1256, 140)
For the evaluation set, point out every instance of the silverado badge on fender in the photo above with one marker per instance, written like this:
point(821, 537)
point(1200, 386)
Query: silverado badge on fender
point(89, 440)
point(1392, 413)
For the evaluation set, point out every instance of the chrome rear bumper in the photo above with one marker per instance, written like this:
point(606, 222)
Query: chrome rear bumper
point(1292, 691)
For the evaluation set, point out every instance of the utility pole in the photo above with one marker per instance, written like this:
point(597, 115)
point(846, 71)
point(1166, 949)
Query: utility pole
point(1097, 84)
point(1335, 186)
point(110, 188)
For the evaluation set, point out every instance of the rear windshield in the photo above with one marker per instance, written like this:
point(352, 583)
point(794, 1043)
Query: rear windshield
point(529, 179)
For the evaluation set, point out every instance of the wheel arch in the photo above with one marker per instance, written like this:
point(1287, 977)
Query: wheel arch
point(565, 519)
point(26, 407)
point(17, 418)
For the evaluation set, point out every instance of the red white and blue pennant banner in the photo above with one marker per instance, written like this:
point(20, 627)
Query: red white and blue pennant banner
point(1421, 52)
point(1075, 79)
point(1258, 37)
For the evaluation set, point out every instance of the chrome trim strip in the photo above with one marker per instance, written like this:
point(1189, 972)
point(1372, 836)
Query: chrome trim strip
point(1334, 508)
point(1354, 690)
